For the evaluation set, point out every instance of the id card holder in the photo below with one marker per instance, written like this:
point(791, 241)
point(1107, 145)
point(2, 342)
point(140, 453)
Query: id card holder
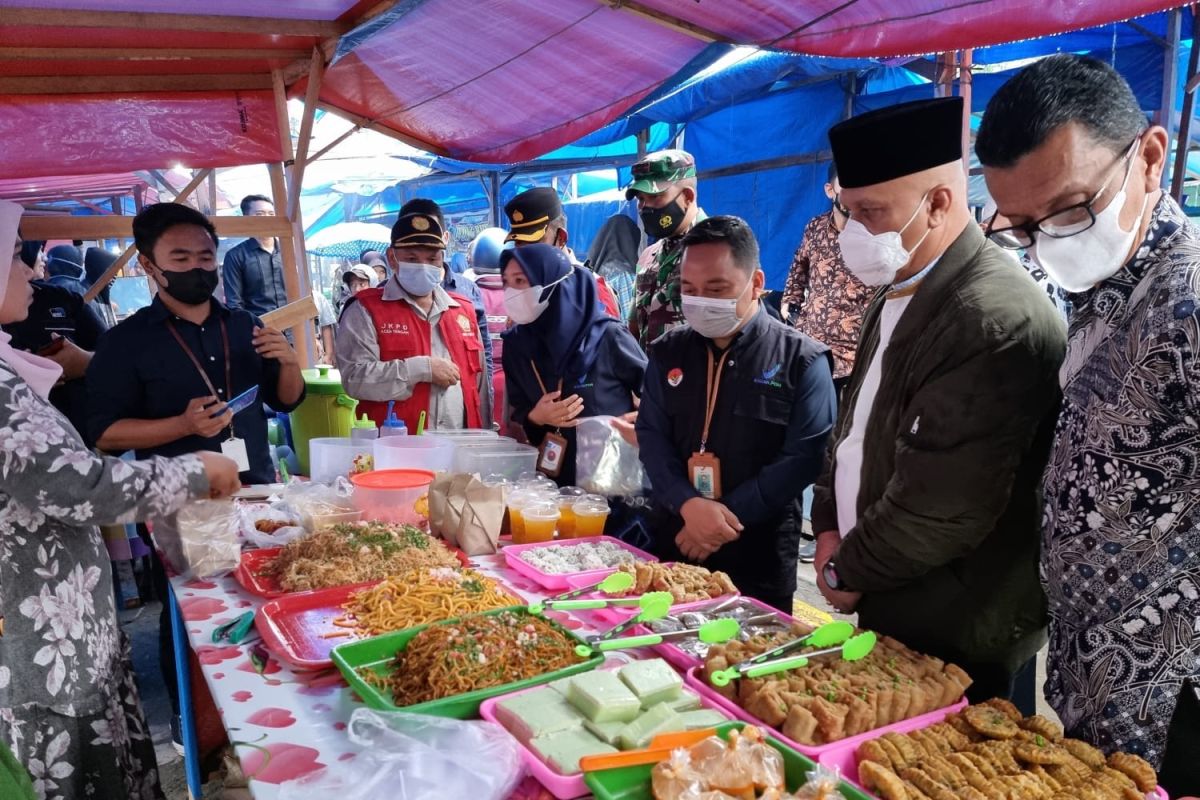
point(704, 471)
point(551, 455)
point(236, 449)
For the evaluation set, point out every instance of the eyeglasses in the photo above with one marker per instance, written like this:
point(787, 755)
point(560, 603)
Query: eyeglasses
point(1061, 224)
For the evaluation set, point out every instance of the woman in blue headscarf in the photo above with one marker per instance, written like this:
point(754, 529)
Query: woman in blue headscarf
point(566, 358)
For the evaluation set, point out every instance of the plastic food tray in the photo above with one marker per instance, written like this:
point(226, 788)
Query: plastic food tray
point(377, 653)
point(683, 661)
point(816, 751)
point(561, 786)
point(253, 562)
point(512, 555)
point(842, 754)
point(633, 783)
point(293, 626)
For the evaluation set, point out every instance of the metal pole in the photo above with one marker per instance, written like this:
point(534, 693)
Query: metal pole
point(964, 91)
point(495, 199)
point(1166, 112)
point(1185, 119)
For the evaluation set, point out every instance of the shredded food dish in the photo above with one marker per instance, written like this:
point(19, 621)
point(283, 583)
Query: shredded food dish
point(422, 596)
point(356, 552)
point(478, 652)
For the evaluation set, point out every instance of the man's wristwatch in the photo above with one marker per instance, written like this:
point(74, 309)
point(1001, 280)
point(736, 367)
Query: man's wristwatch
point(830, 574)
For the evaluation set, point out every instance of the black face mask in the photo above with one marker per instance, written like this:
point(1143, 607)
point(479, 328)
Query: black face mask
point(660, 223)
point(839, 208)
point(193, 287)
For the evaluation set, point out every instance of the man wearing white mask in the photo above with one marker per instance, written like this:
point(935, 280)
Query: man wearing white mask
point(927, 511)
point(736, 410)
point(1075, 169)
point(412, 343)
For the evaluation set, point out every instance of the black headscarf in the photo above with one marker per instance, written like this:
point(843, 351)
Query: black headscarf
point(615, 248)
point(95, 263)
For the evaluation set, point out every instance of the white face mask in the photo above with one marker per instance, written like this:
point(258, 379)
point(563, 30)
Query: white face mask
point(524, 305)
point(417, 279)
point(875, 258)
point(1078, 263)
point(713, 317)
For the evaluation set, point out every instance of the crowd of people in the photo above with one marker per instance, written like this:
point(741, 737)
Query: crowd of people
point(987, 477)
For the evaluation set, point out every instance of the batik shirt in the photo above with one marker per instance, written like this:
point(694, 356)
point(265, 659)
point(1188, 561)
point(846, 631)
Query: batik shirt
point(1121, 548)
point(657, 307)
point(830, 300)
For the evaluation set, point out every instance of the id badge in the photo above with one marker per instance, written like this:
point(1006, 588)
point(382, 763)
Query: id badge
point(704, 471)
point(236, 449)
point(551, 455)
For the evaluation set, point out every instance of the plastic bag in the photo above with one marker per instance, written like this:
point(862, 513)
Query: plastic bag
point(319, 504)
point(201, 539)
point(604, 462)
point(269, 525)
point(822, 784)
point(406, 756)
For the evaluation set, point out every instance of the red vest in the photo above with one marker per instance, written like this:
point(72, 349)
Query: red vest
point(402, 333)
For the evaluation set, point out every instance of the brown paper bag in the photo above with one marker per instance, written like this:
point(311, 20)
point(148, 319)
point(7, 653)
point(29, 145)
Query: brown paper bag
point(466, 513)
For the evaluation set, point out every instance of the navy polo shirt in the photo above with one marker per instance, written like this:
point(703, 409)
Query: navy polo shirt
point(139, 371)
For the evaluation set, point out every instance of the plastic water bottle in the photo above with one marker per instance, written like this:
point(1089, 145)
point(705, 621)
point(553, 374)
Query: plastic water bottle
point(393, 425)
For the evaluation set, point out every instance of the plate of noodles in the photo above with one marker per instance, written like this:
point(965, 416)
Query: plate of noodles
point(302, 628)
point(447, 669)
point(338, 555)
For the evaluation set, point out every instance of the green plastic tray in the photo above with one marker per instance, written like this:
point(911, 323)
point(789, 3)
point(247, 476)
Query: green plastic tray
point(633, 783)
point(378, 652)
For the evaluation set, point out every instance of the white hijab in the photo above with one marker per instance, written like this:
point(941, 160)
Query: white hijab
point(40, 373)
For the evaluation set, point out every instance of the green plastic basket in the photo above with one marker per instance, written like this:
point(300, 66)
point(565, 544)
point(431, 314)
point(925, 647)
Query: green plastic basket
point(633, 783)
point(377, 653)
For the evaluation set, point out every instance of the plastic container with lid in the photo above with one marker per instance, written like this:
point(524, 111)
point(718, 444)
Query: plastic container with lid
point(339, 456)
point(413, 452)
point(327, 412)
point(399, 496)
point(364, 430)
point(505, 458)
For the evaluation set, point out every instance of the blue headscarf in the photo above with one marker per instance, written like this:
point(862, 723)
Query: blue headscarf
point(574, 322)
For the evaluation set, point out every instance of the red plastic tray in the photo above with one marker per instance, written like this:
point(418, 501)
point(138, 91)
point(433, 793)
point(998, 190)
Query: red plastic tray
point(253, 563)
point(293, 626)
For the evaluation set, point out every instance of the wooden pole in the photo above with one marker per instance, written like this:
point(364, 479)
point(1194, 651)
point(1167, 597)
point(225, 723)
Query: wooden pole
point(324, 150)
point(1185, 119)
point(124, 258)
point(294, 279)
point(966, 58)
point(312, 93)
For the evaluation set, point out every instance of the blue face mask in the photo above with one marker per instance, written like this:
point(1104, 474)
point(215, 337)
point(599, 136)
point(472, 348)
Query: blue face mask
point(418, 279)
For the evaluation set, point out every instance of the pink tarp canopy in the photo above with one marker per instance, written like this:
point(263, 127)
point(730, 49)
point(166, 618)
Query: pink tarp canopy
point(112, 85)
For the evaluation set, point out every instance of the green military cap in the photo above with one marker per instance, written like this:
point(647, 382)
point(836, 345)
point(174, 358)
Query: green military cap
point(657, 172)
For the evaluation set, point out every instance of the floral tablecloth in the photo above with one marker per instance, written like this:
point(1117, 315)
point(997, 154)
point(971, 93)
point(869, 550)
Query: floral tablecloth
point(283, 723)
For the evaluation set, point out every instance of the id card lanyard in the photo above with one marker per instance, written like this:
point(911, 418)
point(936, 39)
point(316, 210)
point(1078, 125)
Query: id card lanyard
point(704, 468)
point(233, 447)
point(553, 449)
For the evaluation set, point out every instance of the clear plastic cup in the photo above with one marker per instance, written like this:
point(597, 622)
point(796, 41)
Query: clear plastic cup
point(515, 501)
point(567, 497)
point(591, 512)
point(539, 521)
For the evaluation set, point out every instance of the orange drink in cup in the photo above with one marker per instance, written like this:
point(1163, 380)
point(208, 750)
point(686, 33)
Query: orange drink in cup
point(539, 521)
point(567, 497)
point(517, 499)
point(591, 513)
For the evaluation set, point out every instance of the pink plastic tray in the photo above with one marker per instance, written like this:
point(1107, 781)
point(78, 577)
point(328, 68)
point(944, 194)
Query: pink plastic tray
point(816, 751)
point(512, 553)
point(561, 786)
point(683, 661)
point(842, 754)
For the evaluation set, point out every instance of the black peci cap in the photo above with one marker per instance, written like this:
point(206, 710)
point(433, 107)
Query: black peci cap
point(899, 140)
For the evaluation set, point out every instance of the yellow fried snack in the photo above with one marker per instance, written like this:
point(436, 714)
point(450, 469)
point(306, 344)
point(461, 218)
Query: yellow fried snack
point(1136, 768)
point(1041, 752)
point(991, 722)
point(882, 781)
point(871, 750)
point(1084, 752)
point(1038, 724)
point(926, 783)
point(1004, 707)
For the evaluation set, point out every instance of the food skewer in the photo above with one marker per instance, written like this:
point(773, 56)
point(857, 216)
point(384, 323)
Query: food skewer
point(828, 635)
point(714, 632)
point(853, 649)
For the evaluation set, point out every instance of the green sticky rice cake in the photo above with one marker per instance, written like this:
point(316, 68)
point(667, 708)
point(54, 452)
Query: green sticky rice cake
point(562, 751)
point(653, 681)
point(542, 712)
point(602, 697)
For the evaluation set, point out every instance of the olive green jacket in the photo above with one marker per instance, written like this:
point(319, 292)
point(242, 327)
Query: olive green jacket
point(945, 551)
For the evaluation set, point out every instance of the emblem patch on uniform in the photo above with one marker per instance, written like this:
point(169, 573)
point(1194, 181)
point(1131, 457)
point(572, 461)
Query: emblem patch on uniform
point(767, 378)
point(420, 223)
point(675, 377)
point(517, 216)
point(464, 324)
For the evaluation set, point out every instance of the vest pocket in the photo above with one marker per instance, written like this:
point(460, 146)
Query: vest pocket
point(772, 409)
